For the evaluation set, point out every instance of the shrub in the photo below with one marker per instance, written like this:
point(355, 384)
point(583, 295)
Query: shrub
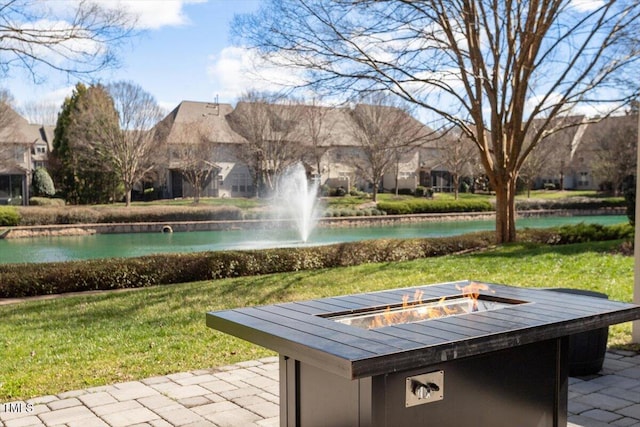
point(629, 191)
point(46, 201)
point(9, 216)
point(415, 206)
point(41, 215)
point(35, 215)
point(577, 233)
point(340, 192)
point(585, 203)
point(42, 183)
point(15, 201)
point(582, 232)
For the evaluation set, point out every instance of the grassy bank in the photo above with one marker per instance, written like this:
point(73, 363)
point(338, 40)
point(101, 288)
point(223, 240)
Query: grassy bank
point(73, 342)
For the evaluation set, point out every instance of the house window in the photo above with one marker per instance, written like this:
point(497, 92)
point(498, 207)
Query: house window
point(18, 154)
point(241, 183)
point(583, 179)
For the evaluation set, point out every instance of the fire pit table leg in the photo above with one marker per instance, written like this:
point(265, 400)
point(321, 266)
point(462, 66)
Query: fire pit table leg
point(312, 396)
point(288, 391)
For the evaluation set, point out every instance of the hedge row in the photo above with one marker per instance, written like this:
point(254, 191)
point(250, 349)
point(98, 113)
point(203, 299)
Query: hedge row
point(345, 212)
point(21, 280)
point(9, 216)
point(584, 203)
point(577, 233)
point(415, 206)
point(34, 215)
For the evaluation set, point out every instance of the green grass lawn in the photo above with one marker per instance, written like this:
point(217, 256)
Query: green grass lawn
point(535, 194)
point(240, 202)
point(63, 344)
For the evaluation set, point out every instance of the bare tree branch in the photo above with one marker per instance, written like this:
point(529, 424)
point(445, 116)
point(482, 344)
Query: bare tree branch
point(383, 132)
point(489, 67)
point(270, 125)
point(39, 36)
point(133, 148)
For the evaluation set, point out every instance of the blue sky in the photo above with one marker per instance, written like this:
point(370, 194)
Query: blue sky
point(184, 53)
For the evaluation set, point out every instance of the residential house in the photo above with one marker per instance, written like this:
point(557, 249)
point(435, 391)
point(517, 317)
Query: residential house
point(589, 154)
point(193, 123)
point(604, 154)
point(322, 138)
point(23, 147)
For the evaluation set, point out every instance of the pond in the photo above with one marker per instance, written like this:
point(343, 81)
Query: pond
point(67, 248)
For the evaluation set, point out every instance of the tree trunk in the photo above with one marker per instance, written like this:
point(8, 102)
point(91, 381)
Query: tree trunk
point(127, 197)
point(375, 192)
point(505, 210)
point(397, 175)
point(456, 185)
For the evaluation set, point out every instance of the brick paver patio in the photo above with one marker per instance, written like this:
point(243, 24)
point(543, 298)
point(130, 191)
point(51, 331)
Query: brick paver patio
point(246, 394)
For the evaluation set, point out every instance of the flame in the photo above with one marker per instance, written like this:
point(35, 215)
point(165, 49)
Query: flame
point(412, 312)
point(472, 291)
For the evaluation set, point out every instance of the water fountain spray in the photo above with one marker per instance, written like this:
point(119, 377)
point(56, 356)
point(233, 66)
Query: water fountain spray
point(299, 199)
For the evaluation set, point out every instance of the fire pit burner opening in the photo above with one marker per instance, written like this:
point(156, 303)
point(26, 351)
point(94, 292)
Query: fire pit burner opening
point(419, 310)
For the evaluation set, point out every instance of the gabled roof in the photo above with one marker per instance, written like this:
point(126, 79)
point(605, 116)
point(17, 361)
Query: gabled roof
point(15, 129)
point(336, 125)
point(188, 116)
point(609, 130)
point(333, 124)
point(610, 126)
point(216, 121)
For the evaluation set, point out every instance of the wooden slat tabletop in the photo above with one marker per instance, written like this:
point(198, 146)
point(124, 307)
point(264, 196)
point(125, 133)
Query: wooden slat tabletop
point(303, 331)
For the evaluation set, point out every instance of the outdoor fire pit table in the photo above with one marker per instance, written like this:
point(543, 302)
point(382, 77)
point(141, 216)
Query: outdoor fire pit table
point(449, 355)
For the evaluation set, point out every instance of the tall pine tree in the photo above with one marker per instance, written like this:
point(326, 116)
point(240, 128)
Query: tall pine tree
point(83, 174)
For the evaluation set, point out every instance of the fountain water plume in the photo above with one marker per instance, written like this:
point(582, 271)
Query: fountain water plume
point(298, 200)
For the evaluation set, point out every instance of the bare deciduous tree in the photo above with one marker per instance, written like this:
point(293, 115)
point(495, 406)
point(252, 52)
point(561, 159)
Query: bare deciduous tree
point(550, 155)
point(41, 112)
point(316, 130)
point(193, 154)
point(613, 147)
point(383, 133)
point(457, 154)
point(489, 67)
point(270, 125)
point(134, 147)
point(73, 37)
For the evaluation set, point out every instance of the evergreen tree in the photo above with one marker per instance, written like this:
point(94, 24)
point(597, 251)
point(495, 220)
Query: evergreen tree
point(84, 174)
point(62, 162)
point(42, 183)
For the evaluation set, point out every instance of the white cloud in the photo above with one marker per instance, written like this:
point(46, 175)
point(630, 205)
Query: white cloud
point(152, 14)
point(236, 70)
point(57, 96)
point(586, 5)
